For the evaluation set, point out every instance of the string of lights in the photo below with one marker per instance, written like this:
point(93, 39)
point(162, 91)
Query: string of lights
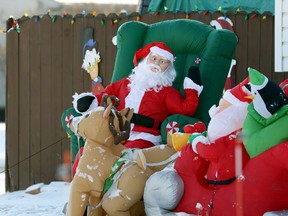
point(16, 23)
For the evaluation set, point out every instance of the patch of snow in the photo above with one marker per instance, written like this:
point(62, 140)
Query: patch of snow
point(2, 157)
point(2, 145)
point(50, 201)
point(34, 187)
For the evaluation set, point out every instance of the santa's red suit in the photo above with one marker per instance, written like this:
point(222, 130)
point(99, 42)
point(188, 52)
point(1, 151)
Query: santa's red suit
point(156, 105)
point(221, 155)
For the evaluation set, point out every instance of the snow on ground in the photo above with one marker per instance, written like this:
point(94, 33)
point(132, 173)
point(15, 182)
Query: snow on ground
point(2, 183)
point(49, 202)
point(2, 158)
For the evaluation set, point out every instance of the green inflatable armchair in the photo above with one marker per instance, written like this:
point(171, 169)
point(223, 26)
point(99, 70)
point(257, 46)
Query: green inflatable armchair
point(194, 44)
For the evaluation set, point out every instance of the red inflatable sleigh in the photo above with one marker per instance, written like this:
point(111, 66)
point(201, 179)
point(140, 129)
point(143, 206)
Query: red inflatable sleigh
point(262, 187)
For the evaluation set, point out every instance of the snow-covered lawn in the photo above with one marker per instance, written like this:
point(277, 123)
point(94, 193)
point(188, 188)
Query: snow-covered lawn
point(2, 158)
point(49, 202)
point(2, 183)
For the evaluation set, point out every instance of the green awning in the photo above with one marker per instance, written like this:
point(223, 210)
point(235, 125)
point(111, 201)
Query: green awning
point(212, 6)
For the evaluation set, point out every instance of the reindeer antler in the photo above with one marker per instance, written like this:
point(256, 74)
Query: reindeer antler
point(121, 135)
point(107, 99)
point(124, 132)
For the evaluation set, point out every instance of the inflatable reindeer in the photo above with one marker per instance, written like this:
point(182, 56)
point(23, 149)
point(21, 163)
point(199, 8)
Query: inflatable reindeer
point(105, 180)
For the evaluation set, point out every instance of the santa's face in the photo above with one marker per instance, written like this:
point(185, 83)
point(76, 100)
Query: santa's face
point(149, 75)
point(157, 60)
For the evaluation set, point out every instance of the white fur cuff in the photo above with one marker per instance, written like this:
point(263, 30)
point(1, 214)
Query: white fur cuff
point(198, 139)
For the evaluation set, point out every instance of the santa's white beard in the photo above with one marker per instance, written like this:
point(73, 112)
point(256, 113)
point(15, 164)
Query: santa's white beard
point(226, 122)
point(144, 78)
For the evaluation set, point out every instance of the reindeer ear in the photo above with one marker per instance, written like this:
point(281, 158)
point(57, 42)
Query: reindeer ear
point(107, 111)
point(130, 114)
point(127, 112)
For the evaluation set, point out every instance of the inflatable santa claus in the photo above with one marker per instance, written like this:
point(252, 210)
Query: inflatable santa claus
point(223, 137)
point(148, 90)
point(210, 161)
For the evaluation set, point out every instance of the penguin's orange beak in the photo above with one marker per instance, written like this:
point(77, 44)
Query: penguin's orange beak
point(251, 97)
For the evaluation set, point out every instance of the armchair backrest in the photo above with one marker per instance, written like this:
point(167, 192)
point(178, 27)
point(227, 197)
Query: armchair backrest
point(188, 40)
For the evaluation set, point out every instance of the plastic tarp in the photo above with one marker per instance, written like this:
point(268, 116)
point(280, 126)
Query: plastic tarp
point(223, 6)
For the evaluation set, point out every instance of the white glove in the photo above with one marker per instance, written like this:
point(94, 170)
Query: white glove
point(189, 84)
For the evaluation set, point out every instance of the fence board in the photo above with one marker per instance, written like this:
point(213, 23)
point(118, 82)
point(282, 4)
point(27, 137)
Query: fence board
point(56, 99)
point(46, 85)
point(67, 89)
point(253, 41)
point(241, 29)
point(24, 106)
point(12, 112)
point(67, 54)
point(44, 71)
point(77, 72)
point(35, 132)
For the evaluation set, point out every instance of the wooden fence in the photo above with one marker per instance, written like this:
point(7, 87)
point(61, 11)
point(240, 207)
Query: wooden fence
point(44, 71)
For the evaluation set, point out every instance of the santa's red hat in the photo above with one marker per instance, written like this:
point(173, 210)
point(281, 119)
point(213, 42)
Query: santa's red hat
point(156, 47)
point(222, 23)
point(284, 86)
point(238, 94)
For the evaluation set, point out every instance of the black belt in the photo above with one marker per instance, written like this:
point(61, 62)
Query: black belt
point(222, 182)
point(144, 121)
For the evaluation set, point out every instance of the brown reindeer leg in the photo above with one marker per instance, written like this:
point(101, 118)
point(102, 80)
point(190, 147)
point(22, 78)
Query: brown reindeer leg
point(77, 201)
point(131, 187)
point(93, 211)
